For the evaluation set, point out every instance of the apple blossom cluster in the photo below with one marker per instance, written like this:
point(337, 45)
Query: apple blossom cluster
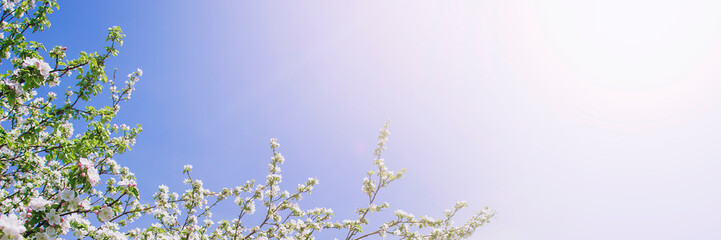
point(57, 182)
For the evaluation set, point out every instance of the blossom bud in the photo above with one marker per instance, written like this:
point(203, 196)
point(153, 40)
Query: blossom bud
point(105, 205)
point(96, 212)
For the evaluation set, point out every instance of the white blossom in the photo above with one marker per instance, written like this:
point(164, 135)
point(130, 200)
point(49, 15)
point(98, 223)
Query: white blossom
point(67, 195)
point(106, 214)
point(86, 163)
point(12, 227)
point(126, 183)
point(17, 87)
point(38, 203)
point(43, 236)
point(251, 207)
point(93, 177)
point(8, 5)
point(41, 65)
point(53, 218)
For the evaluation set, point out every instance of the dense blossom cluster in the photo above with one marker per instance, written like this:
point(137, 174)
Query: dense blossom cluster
point(58, 183)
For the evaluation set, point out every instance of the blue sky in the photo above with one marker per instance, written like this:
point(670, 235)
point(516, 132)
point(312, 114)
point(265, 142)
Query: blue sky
point(571, 119)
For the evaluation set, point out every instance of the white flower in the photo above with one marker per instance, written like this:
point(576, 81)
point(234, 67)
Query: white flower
point(106, 214)
point(38, 203)
point(8, 6)
point(6, 150)
point(383, 230)
point(65, 225)
point(52, 82)
point(41, 65)
point(274, 143)
point(30, 62)
point(93, 176)
point(12, 227)
point(14, 85)
point(84, 204)
point(67, 195)
point(126, 183)
point(52, 233)
point(42, 236)
point(84, 162)
point(79, 203)
point(115, 235)
point(115, 169)
point(251, 207)
point(53, 218)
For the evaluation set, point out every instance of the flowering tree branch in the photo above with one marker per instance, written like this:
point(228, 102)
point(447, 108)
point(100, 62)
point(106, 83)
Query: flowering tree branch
point(56, 182)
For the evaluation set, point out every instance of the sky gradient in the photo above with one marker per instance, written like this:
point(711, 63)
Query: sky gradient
point(571, 119)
